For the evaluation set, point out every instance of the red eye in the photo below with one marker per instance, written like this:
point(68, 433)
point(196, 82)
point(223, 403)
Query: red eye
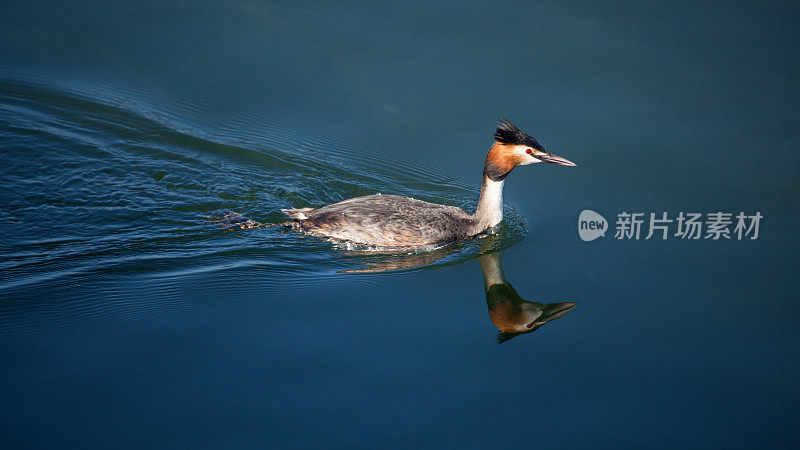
point(529, 151)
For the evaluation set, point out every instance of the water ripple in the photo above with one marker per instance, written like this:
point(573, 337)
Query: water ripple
point(98, 189)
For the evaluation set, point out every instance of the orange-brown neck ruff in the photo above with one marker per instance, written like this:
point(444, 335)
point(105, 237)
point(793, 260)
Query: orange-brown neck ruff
point(500, 161)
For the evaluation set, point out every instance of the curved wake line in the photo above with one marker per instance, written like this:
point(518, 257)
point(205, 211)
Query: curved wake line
point(84, 94)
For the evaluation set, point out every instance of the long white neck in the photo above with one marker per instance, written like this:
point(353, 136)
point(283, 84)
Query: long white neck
point(492, 269)
point(490, 205)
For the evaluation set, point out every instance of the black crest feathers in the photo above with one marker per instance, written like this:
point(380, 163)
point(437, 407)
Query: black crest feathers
point(503, 337)
point(507, 133)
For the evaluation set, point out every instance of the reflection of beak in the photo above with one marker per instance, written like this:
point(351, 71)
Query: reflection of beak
point(555, 159)
point(554, 311)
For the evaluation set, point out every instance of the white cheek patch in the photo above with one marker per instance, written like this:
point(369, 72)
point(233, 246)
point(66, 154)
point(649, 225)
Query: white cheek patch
point(526, 158)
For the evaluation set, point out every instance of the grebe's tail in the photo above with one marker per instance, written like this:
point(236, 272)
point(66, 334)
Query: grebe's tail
point(297, 213)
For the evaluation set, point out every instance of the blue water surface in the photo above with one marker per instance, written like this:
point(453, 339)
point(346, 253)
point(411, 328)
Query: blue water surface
point(130, 316)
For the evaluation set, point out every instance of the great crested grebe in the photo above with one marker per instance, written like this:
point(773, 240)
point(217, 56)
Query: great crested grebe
point(393, 221)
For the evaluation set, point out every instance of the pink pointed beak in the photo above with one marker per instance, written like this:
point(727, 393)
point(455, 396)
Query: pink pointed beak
point(556, 159)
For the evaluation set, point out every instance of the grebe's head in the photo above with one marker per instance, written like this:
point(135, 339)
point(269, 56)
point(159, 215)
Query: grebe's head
point(513, 147)
point(521, 317)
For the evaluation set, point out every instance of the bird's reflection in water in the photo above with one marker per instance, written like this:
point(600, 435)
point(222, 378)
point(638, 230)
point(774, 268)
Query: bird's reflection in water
point(388, 262)
point(512, 314)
